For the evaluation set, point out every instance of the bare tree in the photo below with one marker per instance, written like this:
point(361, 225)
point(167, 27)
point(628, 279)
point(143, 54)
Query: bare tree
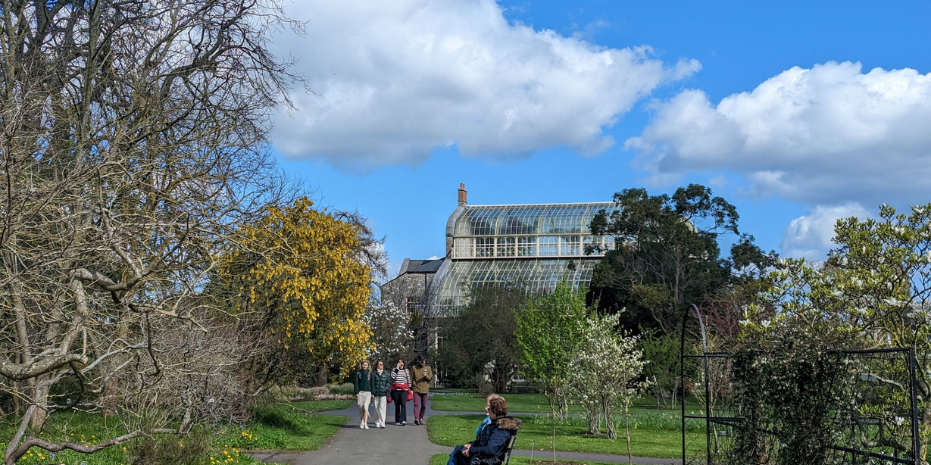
point(133, 135)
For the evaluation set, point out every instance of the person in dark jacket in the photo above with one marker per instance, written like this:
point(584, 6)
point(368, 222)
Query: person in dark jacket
point(362, 385)
point(491, 442)
point(381, 382)
point(400, 391)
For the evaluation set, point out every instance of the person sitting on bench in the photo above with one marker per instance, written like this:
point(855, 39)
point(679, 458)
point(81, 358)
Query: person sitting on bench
point(491, 442)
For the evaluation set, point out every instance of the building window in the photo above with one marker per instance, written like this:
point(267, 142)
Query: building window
point(591, 243)
point(506, 247)
point(569, 246)
point(527, 246)
point(549, 246)
point(484, 247)
point(463, 248)
point(415, 304)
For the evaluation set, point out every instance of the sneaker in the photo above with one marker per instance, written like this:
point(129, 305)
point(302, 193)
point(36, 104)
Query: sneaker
point(362, 425)
point(403, 423)
point(416, 421)
point(397, 423)
point(382, 426)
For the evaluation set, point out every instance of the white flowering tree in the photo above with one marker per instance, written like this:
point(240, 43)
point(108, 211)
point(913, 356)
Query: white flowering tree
point(873, 291)
point(606, 372)
point(391, 334)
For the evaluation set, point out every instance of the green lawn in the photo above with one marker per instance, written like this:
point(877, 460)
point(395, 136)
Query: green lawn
point(289, 427)
point(282, 427)
point(473, 402)
point(654, 432)
point(322, 405)
point(470, 401)
point(652, 435)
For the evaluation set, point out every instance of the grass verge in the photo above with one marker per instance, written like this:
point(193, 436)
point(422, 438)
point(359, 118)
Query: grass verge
point(650, 437)
point(474, 402)
point(289, 427)
point(470, 401)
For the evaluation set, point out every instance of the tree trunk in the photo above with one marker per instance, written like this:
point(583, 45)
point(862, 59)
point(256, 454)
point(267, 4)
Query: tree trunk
point(609, 419)
point(319, 378)
point(40, 398)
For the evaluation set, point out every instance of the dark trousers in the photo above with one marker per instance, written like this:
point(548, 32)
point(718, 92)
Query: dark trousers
point(420, 405)
point(456, 457)
point(400, 405)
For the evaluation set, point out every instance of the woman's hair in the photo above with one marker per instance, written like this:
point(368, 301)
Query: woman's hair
point(419, 360)
point(363, 362)
point(497, 405)
point(382, 363)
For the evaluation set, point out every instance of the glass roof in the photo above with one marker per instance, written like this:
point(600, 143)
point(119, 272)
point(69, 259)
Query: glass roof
point(496, 220)
point(537, 275)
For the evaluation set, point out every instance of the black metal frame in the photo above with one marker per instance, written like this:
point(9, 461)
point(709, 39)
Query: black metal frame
point(900, 363)
point(510, 447)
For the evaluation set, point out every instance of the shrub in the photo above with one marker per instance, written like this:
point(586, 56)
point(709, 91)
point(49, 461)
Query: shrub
point(342, 389)
point(184, 450)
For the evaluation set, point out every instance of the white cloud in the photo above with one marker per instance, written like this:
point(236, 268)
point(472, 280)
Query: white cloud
point(827, 135)
point(811, 235)
point(395, 80)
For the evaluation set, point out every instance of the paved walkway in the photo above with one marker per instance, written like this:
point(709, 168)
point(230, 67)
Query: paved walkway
point(352, 445)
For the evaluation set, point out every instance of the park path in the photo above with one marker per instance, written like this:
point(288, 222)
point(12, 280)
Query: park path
point(406, 445)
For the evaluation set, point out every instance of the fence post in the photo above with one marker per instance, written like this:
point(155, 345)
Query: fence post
point(916, 442)
point(685, 317)
point(708, 397)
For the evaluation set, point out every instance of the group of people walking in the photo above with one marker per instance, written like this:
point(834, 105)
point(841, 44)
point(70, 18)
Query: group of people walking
point(400, 385)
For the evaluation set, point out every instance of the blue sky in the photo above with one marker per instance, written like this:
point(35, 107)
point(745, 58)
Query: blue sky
point(796, 112)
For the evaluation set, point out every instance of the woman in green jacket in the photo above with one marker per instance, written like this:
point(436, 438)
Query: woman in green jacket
point(362, 385)
point(381, 382)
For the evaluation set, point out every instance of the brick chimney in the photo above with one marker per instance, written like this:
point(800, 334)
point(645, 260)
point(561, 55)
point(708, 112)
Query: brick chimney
point(463, 195)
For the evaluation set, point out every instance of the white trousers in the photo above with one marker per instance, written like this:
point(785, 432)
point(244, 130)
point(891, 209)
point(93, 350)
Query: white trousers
point(381, 407)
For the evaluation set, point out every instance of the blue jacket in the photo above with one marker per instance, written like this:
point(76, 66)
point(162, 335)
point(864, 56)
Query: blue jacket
point(492, 440)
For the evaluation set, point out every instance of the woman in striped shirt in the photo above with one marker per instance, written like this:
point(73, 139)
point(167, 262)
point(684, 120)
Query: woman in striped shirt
point(400, 389)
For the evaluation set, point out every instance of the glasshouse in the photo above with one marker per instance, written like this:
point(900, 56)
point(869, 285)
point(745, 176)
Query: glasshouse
point(534, 246)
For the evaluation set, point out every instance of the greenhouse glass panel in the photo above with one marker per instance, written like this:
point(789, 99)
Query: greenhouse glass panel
point(463, 248)
point(507, 246)
point(484, 220)
point(515, 223)
point(589, 242)
point(536, 275)
point(527, 246)
point(548, 246)
point(569, 246)
point(568, 222)
point(483, 223)
point(484, 247)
